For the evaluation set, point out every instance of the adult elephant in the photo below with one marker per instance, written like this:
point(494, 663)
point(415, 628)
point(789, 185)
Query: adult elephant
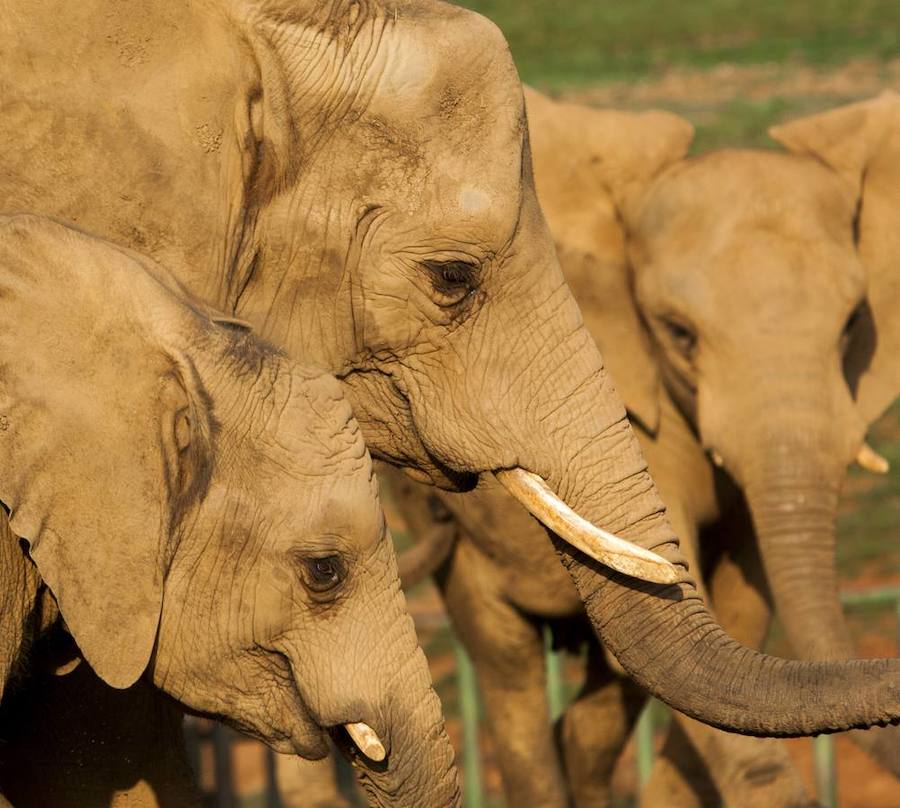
point(130, 418)
point(355, 180)
point(753, 343)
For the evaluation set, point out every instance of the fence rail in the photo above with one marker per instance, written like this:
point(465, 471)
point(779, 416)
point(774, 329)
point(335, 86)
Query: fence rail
point(221, 739)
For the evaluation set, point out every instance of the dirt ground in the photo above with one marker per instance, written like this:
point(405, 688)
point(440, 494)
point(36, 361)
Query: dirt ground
point(861, 77)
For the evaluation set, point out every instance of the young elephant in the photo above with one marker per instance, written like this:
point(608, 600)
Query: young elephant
point(202, 509)
point(751, 340)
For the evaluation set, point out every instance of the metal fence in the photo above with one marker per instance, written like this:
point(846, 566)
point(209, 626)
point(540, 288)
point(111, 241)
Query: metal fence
point(221, 739)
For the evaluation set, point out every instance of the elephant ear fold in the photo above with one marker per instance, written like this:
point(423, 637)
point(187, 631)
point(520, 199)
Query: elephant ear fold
point(861, 142)
point(91, 429)
point(589, 165)
point(845, 138)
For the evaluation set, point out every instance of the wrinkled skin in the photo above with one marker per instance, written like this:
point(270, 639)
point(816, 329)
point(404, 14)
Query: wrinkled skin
point(200, 507)
point(355, 180)
point(723, 290)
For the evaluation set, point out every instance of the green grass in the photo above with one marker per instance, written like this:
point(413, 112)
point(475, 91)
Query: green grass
point(557, 44)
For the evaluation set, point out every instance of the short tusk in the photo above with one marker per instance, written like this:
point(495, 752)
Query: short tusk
point(870, 460)
point(534, 493)
point(717, 459)
point(367, 741)
point(67, 667)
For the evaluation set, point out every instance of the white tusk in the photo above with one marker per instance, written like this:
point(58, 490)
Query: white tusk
point(366, 739)
point(870, 460)
point(717, 459)
point(621, 555)
point(67, 667)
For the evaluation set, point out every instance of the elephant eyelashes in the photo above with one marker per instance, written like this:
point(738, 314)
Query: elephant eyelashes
point(323, 574)
point(853, 320)
point(682, 337)
point(453, 281)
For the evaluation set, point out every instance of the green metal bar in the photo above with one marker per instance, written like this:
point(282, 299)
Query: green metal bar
point(473, 786)
point(555, 688)
point(881, 594)
point(644, 741)
point(826, 775)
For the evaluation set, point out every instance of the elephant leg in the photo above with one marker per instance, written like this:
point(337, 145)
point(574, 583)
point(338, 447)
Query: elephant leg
point(717, 768)
point(594, 728)
point(507, 652)
point(73, 742)
point(309, 783)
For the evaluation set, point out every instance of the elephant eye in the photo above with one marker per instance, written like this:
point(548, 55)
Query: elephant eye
point(854, 318)
point(453, 281)
point(323, 574)
point(684, 340)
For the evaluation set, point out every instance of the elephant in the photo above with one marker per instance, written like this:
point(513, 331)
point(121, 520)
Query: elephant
point(743, 300)
point(199, 509)
point(354, 179)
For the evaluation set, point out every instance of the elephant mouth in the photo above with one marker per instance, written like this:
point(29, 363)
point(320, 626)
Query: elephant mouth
point(360, 744)
point(356, 739)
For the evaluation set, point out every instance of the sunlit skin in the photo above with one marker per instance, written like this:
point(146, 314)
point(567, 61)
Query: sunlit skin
point(309, 168)
point(215, 520)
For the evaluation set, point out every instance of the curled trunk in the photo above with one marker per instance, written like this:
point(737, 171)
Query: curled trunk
point(666, 639)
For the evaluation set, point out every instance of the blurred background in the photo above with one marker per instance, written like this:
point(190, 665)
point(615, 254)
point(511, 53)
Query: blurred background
point(733, 68)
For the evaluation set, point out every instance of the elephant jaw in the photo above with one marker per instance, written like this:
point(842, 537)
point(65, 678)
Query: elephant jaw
point(614, 552)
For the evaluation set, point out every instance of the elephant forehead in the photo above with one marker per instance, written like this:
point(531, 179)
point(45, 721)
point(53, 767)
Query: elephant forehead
point(448, 96)
point(311, 427)
point(735, 187)
point(339, 510)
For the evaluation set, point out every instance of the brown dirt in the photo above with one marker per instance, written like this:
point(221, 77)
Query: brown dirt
point(727, 82)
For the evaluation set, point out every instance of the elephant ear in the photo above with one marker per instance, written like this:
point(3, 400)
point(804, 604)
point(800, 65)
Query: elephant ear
point(861, 142)
point(91, 429)
point(589, 165)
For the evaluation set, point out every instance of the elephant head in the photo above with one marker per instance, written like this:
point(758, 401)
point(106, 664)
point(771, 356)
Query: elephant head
point(754, 288)
point(355, 180)
point(204, 508)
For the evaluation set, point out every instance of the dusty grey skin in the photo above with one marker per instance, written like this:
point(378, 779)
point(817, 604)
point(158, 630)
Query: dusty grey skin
point(355, 180)
point(201, 508)
point(771, 346)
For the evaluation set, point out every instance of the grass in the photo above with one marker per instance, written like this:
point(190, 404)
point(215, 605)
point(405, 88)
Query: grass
point(869, 525)
point(558, 44)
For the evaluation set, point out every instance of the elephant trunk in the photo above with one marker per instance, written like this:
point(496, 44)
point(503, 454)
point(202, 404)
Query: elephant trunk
point(795, 524)
point(419, 771)
point(794, 508)
point(368, 683)
point(664, 636)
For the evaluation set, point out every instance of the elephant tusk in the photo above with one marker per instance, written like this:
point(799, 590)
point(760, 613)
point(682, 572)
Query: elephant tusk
point(366, 740)
point(625, 556)
point(870, 460)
